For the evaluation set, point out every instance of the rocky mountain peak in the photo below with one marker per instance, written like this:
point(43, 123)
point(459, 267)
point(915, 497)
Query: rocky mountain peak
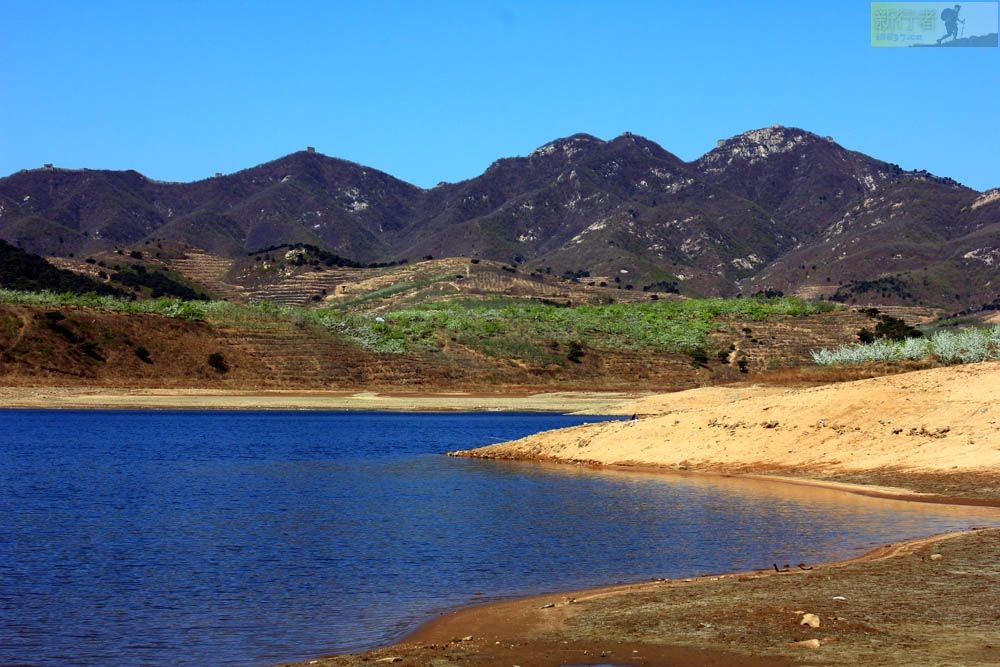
point(990, 197)
point(758, 145)
point(568, 146)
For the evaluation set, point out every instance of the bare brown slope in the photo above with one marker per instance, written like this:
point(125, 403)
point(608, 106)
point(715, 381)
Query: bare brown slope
point(81, 347)
point(78, 347)
point(920, 429)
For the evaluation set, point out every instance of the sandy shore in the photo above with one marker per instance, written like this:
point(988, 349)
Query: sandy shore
point(934, 431)
point(596, 403)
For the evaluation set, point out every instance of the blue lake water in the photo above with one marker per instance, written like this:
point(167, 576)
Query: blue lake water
point(250, 538)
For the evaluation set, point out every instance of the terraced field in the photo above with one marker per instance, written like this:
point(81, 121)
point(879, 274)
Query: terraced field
point(288, 283)
point(302, 289)
point(387, 288)
point(209, 271)
point(770, 344)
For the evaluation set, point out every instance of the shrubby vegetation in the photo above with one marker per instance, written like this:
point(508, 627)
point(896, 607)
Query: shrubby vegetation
point(886, 287)
point(949, 347)
point(499, 327)
point(366, 331)
point(20, 270)
point(889, 327)
point(319, 256)
point(218, 362)
point(666, 326)
point(219, 312)
point(157, 283)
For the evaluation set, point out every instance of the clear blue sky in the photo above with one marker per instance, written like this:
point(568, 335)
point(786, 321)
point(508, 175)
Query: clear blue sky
point(432, 91)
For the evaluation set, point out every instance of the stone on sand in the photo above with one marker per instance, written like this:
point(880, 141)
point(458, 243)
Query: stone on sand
point(812, 620)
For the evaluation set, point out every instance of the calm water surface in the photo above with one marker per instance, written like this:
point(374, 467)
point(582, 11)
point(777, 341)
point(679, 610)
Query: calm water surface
point(249, 538)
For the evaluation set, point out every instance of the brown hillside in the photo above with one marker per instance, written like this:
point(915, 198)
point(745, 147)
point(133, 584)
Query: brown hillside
point(77, 347)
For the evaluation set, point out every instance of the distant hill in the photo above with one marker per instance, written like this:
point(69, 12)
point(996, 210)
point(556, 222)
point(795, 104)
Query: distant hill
point(776, 208)
point(21, 270)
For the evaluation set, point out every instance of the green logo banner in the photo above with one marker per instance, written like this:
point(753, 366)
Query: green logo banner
point(933, 24)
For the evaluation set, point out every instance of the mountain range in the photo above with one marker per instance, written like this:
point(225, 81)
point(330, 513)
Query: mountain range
point(777, 208)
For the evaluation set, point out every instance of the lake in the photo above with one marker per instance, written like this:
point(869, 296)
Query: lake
point(250, 538)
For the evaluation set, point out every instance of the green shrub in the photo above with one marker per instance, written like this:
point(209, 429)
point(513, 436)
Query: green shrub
point(218, 362)
point(699, 357)
point(888, 327)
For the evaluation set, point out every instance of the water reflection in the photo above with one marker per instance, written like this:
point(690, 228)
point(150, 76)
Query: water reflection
point(761, 522)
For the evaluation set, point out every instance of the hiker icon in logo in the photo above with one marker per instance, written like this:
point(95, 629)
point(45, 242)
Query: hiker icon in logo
point(951, 21)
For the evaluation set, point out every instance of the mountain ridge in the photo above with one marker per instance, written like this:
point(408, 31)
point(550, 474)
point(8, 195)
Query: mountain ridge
point(731, 221)
point(534, 153)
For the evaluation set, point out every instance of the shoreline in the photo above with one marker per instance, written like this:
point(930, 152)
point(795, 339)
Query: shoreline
point(850, 438)
point(596, 403)
point(933, 432)
point(882, 492)
point(881, 552)
point(947, 409)
point(519, 622)
point(497, 622)
point(877, 491)
point(438, 629)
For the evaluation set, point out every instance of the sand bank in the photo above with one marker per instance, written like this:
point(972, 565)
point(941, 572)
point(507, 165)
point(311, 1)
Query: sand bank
point(934, 431)
point(605, 403)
